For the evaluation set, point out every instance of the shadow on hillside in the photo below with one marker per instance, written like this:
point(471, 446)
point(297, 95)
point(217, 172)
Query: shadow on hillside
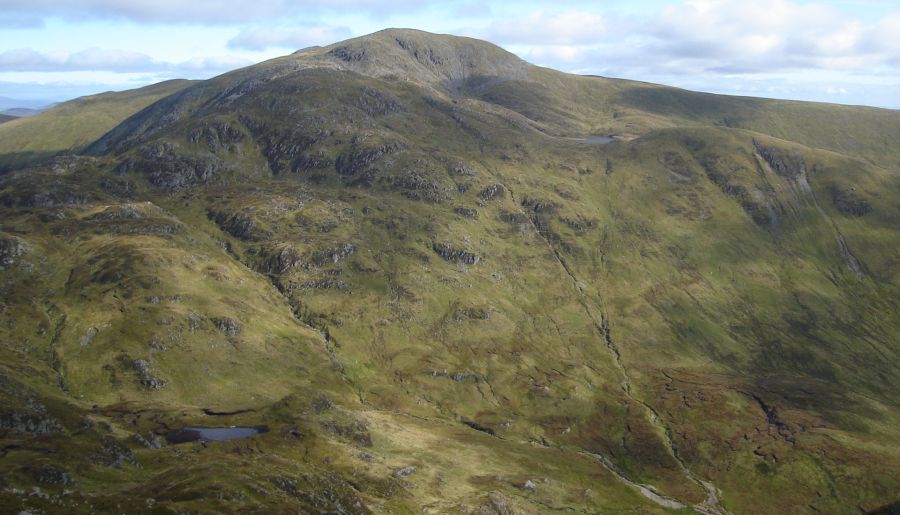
point(12, 161)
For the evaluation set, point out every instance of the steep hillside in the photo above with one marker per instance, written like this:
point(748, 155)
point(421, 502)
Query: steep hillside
point(446, 280)
point(69, 126)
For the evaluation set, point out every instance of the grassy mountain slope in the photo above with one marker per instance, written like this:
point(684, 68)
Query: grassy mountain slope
point(69, 126)
point(400, 254)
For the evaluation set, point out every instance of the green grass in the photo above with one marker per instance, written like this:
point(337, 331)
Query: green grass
point(69, 126)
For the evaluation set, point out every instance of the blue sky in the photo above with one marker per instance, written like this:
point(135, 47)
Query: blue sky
point(840, 51)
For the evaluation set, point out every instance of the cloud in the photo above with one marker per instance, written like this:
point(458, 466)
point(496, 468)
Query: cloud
point(706, 36)
point(196, 11)
point(20, 21)
point(262, 38)
point(118, 61)
point(548, 28)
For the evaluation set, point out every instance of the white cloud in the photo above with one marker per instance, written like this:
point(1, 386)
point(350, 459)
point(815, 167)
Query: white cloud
point(262, 38)
point(706, 36)
point(548, 28)
point(118, 61)
point(194, 11)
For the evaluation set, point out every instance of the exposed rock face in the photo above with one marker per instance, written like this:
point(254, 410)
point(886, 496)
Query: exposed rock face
point(11, 248)
point(88, 336)
point(717, 170)
point(289, 151)
point(459, 377)
point(120, 212)
point(53, 196)
point(849, 203)
point(282, 261)
point(466, 212)
point(321, 403)
point(419, 185)
point(50, 475)
point(217, 136)
point(355, 431)
point(790, 165)
point(359, 161)
point(579, 225)
point(151, 441)
point(227, 325)
point(539, 205)
point(405, 471)
point(142, 367)
point(493, 191)
point(462, 170)
point(34, 422)
point(333, 255)
point(169, 169)
point(455, 255)
point(479, 427)
point(349, 54)
point(114, 454)
point(239, 225)
point(376, 102)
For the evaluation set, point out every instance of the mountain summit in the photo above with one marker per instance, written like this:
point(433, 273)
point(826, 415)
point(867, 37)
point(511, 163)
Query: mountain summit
point(411, 272)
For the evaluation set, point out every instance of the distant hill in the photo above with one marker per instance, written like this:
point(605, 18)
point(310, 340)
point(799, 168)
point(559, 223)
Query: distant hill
point(23, 112)
point(6, 118)
point(68, 126)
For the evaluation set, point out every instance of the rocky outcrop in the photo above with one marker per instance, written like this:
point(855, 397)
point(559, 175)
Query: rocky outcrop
point(493, 191)
point(120, 212)
point(355, 431)
point(114, 453)
point(349, 54)
point(227, 325)
point(134, 219)
point(471, 314)
point(11, 248)
point(455, 255)
point(466, 212)
point(332, 255)
point(459, 377)
point(88, 337)
point(790, 165)
point(151, 441)
point(419, 185)
point(579, 224)
point(376, 102)
point(48, 474)
point(52, 197)
point(281, 261)
point(167, 168)
point(539, 205)
point(36, 422)
point(461, 170)
point(849, 203)
point(240, 225)
point(718, 172)
point(148, 380)
point(479, 427)
point(359, 161)
point(290, 150)
point(217, 136)
point(404, 471)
